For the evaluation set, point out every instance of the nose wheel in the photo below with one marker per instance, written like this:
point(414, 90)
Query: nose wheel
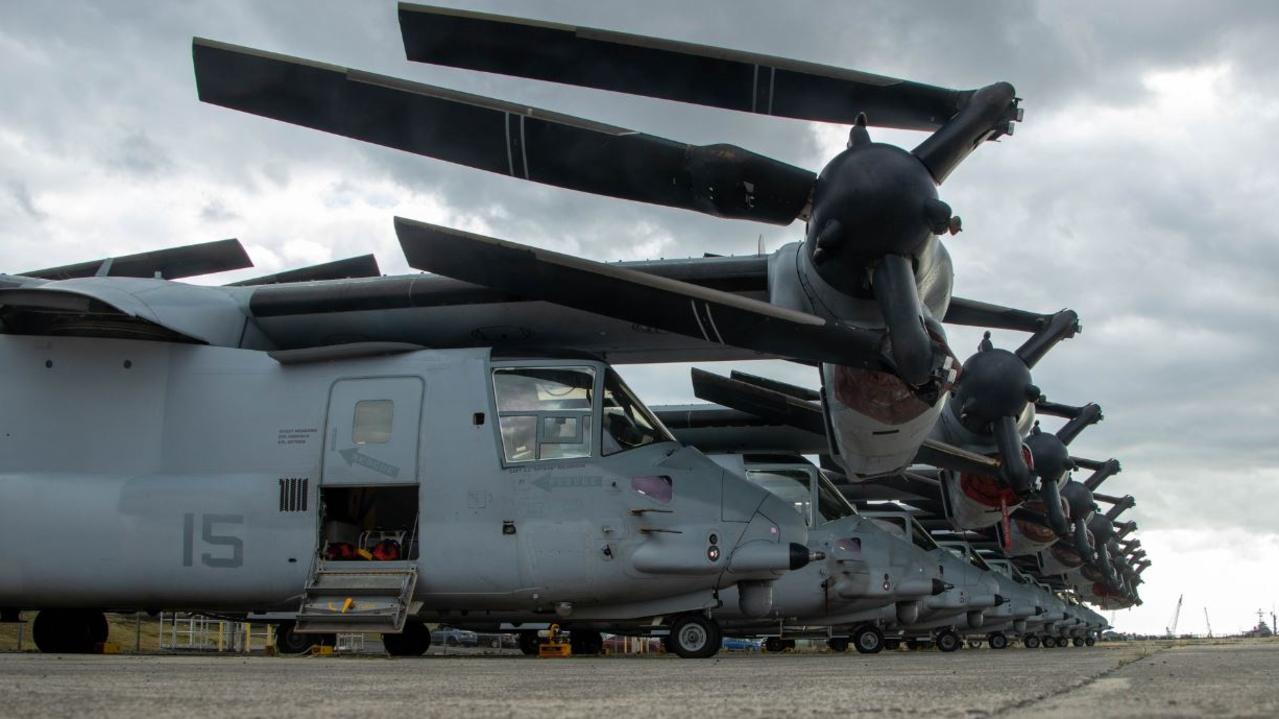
point(694, 636)
point(868, 639)
point(948, 640)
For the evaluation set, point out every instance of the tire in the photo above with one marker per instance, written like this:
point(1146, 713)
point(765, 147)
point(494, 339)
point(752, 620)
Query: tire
point(838, 644)
point(1062, 642)
point(695, 637)
point(1089, 641)
point(997, 640)
point(774, 645)
point(1077, 641)
point(412, 642)
point(1031, 641)
point(495, 644)
point(948, 640)
point(973, 643)
point(586, 642)
point(68, 631)
point(868, 639)
point(288, 641)
point(529, 643)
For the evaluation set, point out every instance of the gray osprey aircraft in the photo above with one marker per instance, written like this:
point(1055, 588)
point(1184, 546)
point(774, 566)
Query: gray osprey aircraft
point(361, 485)
point(863, 295)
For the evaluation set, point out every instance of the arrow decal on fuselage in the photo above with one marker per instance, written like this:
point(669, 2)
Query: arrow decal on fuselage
point(353, 457)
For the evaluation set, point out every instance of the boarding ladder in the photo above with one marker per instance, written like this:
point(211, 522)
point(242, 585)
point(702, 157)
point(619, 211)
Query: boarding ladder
point(344, 596)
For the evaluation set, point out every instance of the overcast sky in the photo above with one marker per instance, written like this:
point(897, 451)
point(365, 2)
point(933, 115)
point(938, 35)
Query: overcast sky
point(1138, 191)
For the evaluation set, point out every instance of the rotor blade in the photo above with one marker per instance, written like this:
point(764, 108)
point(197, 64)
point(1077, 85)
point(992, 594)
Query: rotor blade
point(653, 67)
point(170, 263)
point(946, 456)
point(768, 404)
point(801, 393)
point(974, 313)
point(502, 137)
point(1090, 415)
point(1057, 409)
point(362, 266)
point(1063, 325)
point(649, 300)
point(987, 114)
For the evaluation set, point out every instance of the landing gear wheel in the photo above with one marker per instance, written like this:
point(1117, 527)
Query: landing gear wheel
point(892, 645)
point(1077, 641)
point(695, 637)
point(948, 640)
point(288, 641)
point(774, 645)
point(529, 643)
point(1089, 641)
point(69, 631)
point(585, 642)
point(997, 640)
point(1062, 642)
point(1031, 641)
point(868, 639)
point(837, 644)
point(412, 642)
point(973, 643)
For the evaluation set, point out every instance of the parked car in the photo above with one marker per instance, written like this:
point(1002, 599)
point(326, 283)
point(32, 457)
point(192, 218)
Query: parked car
point(450, 637)
point(737, 644)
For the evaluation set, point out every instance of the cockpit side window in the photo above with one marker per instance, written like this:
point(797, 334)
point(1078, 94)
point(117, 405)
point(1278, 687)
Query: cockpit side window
point(791, 485)
point(627, 422)
point(831, 503)
point(544, 412)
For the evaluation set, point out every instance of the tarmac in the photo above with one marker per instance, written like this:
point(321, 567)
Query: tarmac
point(1120, 680)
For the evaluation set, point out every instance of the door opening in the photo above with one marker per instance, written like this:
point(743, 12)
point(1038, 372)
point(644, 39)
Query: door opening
point(369, 523)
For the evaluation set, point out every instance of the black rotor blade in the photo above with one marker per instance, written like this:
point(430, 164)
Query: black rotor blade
point(768, 404)
point(649, 300)
point(974, 313)
point(1063, 325)
point(653, 67)
point(502, 137)
point(987, 114)
point(170, 263)
point(801, 393)
point(362, 266)
point(947, 456)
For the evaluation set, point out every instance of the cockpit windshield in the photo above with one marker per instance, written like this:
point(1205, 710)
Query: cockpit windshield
point(544, 412)
point(627, 422)
point(791, 485)
point(831, 503)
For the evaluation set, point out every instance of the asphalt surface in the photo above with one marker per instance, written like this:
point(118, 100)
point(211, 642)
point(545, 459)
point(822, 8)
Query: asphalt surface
point(1119, 680)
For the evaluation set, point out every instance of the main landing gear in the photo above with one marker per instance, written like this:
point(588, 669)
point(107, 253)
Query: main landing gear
point(69, 631)
point(1031, 641)
point(585, 642)
point(288, 641)
point(412, 642)
point(997, 640)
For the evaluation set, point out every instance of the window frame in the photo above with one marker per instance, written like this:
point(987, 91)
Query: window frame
point(595, 369)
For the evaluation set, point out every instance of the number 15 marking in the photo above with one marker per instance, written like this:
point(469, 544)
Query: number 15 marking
point(210, 539)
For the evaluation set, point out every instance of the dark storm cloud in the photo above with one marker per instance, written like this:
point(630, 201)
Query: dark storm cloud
point(1141, 202)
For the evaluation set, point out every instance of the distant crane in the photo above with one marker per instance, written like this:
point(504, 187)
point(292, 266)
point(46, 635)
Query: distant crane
point(1176, 615)
point(1208, 622)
